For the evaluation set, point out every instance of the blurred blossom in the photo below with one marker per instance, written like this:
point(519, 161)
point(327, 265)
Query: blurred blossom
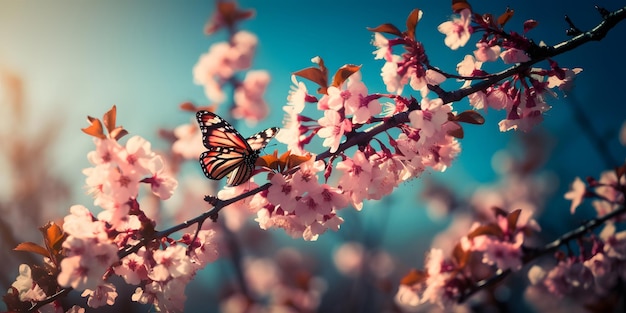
point(349, 258)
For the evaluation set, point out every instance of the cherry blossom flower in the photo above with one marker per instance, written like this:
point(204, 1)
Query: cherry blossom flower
point(132, 268)
point(171, 263)
point(486, 53)
point(27, 289)
point(430, 118)
point(87, 260)
point(357, 173)
point(382, 44)
point(161, 184)
point(349, 259)
point(282, 193)
point(457, 31)
point(576, 194)
point(206, 252)
point(567, 82)
point(333, 128)
point(249, 102)
point(188, 142)
point(389, 72)
point(103, 294)
point(513, 55)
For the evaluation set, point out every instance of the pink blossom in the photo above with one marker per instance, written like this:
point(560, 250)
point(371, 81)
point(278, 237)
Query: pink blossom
point(132, 268)
point(614, 243)
point(87, 260)
point(333, 128)
point(356, 177)
point(513, 55)
point(568, 276)
point(485, 53)
point(567, 82)
point(505, 255)
point(242, 51)
point(430, 118)
point(238, 212)
point(349, 259)
point(171, 263)
point(389, 72)
point(105, 151)
point(358, 104)
point(457, 31)
point(498, 99)
point(262, 275)
point(576, 194)
point(161, 183)
point(249, 102)
point(282, 193)
point(296, 99)
point(382, 44)
point(27, 289)
point(206, 252)
point(188, 142)
point(135, 156)
point(468, 66)
point(306, 178)
point(103, 294)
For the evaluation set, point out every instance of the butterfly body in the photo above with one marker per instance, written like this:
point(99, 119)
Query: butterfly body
point(228, 153)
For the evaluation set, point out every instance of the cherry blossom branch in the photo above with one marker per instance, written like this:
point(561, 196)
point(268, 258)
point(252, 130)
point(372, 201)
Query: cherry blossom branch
point(533, 253)
point(596, 34)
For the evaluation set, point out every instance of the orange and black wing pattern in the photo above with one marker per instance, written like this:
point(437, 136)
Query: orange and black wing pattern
point(228, 153)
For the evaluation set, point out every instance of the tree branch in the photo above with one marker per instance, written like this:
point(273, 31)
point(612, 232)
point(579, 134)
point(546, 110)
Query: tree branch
point(548, 248)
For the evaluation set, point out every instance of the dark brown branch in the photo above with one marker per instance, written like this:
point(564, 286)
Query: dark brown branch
point(533, 254)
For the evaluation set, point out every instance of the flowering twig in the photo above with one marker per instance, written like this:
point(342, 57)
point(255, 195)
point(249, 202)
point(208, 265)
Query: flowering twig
point(597, 33)
point(533, 254)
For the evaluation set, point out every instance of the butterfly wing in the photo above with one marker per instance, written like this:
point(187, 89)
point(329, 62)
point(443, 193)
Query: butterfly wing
point(259, 140)
point(218, 162)
point(229, 154)
point(217, 132)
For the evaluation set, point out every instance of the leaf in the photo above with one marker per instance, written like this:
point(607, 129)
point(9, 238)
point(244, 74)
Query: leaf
point(386, 28)
point(530, 24)
point(470, 117)
point(32, 247)
point(343, 73)
point(486, 230)
point(315, 75)
point(118, 133)
point(512, 219)
point(109, 119)
point(411, 22)
point(53, 237)
point(414, 277)
point(461, 256)
point(460, 5)
point(95, 129)
point(456, 132)
point(505, 17)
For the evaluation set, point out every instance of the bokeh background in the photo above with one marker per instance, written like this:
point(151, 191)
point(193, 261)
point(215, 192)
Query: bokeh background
point(70, 59)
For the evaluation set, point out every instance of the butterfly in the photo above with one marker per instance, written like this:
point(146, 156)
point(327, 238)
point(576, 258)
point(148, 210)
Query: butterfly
point(228, 152)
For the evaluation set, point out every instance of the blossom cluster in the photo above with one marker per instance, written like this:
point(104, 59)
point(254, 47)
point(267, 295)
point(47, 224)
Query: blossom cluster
point(593, 273)
point(220, 65)
point(497, 245)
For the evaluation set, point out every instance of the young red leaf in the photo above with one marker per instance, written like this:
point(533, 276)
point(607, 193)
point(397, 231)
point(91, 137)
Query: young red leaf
point(53, 237)
point(512, 219)
point(109, 119)
point(32, 247)
point(386, 28)
point(486, 230)
point(470, 117)
point(95, 129)
point(460, 5)
point(456, 132)
point(505, 17)
point(315, 75)
point(343, 73)
point(414, 277)
point(460, 256)
point(530, 24)
point(411, 22)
